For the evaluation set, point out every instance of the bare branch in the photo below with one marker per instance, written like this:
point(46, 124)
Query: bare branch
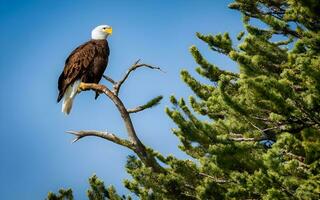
point(153, 102)
point(272, 128)
point(279, 126)
point(135, 66)
point(139, 147)
point(135, 110)
point(256, 127)
point(123, 111)
point(236, 135)
point(239, 138)
point(261, 118)
point(105, 135)
point(133, 142)
point(109, 79)
point(214, 178)
point(242, 139)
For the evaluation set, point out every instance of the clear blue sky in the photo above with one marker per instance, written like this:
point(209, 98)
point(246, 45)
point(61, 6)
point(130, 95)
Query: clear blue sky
point(36, 37)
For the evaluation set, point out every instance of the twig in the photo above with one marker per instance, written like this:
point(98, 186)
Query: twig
point(214, 178)
point(135, 110)
point(242, 139)
point(235, 135)
point(135, 66)
point(105, 135)
point(109, 79)
point(272, 128)
point(261, 118)
point(259, 129)
point(280, 126)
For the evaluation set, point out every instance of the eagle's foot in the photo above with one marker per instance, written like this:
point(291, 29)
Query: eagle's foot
point(81, 87)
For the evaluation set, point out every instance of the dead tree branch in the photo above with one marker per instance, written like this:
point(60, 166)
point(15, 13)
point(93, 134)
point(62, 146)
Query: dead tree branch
point(109, 79)
point(139, 147)
point(214, 178)
point(135, 66)
point(133, 142)
point(242, 139)
point(105, 135)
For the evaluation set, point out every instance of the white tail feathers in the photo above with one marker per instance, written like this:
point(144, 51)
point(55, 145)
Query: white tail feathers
point(67, 105)
point(68, 97)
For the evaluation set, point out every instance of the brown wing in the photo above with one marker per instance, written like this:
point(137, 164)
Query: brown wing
point(75, 66)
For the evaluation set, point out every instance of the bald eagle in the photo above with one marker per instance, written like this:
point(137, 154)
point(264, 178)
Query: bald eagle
point(85, 64)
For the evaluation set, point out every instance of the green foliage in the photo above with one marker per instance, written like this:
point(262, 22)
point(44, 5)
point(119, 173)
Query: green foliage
point(275, 96)
point(62, 195)
point(153, 102)
point(97, 191)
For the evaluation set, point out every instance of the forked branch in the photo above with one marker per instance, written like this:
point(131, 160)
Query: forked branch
point(133, 142)
point(105, 135)
point(109, 79)
point(133, 67)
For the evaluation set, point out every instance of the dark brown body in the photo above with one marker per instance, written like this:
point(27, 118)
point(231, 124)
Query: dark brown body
point(87, 63)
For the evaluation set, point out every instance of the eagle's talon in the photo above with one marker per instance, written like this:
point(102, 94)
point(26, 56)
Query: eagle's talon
point(81, 87)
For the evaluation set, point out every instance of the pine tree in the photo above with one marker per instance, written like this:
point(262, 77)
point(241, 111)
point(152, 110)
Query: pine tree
point(275, 97)
point(97, 191)
point(261, 139)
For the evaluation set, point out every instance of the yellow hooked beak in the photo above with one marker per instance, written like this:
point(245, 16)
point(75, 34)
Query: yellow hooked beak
point(108, 30)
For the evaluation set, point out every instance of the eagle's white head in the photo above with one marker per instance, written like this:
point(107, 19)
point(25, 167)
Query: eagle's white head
point(101, 32)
